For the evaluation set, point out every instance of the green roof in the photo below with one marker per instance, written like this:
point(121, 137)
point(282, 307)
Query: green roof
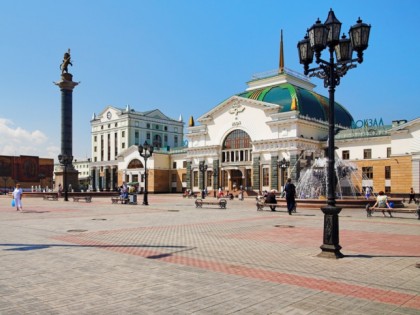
point(308, 103)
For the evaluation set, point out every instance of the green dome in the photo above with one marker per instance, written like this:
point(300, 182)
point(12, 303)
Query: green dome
point(308, 103)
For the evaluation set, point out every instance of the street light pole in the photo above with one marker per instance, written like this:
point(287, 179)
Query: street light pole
point(145, 151)
point(5, 184)
point(65, 160)
point(283, 165)
point(319, 37)
point(203, 169)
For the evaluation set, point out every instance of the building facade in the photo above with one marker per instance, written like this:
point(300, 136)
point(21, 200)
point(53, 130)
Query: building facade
point(116, 132)
point(29, 171)
point(278, 128)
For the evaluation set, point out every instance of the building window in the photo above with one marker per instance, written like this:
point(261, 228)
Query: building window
point(102, 127)
point(184, 164)
point(388, 152)
point(345, 155)
point(367, 172)
point(95, 159)
point(123, 134)
point(209, 178)
point(367, 154)
point(387, 172)
point(115, 144)
point(109, 126)
point(148, 126)
point(157, 127)
point(136, 138)
point(123, 145)
point(195, 177)
point(95, 149)
point(387, 189)
point(184, 178)
point(173, 178)
point(176, 141)
point(95, 138)
point(116, 125)
point(266, 176)
point(165, 138)
point(165, 128)
point(173, 164)
point(148, 136)
point(157, 142)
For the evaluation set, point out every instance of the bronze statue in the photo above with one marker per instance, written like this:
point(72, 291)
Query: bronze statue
point(66, 62)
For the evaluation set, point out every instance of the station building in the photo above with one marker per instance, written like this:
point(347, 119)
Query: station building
point(255, 139)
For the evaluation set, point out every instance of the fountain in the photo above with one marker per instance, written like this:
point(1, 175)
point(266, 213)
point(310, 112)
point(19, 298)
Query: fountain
point(312, 183)
point(311, 188)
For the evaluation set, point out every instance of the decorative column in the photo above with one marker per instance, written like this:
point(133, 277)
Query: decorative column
point(97, 171)
point(111, 178)
point(216, 175)
point(256, 181)
point(274, 173)
point(294, 167)
point(188, 176)
point(66, 86)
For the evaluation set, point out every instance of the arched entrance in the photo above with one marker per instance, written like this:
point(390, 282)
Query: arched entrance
point(236, 179)
point(236, 160)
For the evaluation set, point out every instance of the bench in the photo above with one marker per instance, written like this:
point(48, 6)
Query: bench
point(84, 198)
point(261, 205)
point(120, 200)
point(221, 203)
point(50, 197)
point(370, 210)
point(193, 195)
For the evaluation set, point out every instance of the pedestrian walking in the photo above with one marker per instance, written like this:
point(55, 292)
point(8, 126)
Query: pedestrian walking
point(412, 196)
point(290, 190)
point(17, 195)
point(367, 192)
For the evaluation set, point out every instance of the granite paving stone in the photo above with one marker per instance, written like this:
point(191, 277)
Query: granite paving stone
point(171, 258)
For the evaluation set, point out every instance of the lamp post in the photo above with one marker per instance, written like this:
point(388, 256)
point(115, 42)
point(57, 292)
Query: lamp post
point(283, 165)
point(145, 151)
point(203, 168)
point(65, 160)
point(319, 37)
point(5, 184)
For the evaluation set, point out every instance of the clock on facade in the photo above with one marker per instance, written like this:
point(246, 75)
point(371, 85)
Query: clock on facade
point(108, 115)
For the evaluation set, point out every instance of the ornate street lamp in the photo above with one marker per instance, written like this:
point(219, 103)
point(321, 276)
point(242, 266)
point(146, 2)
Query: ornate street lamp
point(203, 168)
point(319, 37)
point(65, 160)
point(145, 151)
point(5, 184)
point(283, 165)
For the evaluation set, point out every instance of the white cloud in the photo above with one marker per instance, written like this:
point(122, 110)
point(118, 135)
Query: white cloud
point(18, 141)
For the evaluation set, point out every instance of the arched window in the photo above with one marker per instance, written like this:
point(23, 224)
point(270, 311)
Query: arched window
point(237, 139)
point(236, 147)
point(136, 163)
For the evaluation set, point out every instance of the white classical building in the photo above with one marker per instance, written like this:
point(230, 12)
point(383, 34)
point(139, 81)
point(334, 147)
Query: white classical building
point(117, 131)
point(278, 127)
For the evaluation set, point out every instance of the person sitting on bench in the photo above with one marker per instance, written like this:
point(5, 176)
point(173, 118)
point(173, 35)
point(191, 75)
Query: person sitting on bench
point(271, 198)
point(382, 202)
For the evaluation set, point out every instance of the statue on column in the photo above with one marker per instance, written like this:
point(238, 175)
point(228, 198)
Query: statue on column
point(66, 62)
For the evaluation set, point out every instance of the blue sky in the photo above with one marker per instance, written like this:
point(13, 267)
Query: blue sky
point(183, 57)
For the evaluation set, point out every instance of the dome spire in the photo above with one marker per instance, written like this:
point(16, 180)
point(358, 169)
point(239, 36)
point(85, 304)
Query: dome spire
point(281, 61)
point(191, 122)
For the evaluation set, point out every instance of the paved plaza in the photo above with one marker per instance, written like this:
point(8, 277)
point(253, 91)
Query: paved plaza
point(62, 257)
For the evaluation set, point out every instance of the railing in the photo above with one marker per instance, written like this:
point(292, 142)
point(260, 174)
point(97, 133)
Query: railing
point(275, 72)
